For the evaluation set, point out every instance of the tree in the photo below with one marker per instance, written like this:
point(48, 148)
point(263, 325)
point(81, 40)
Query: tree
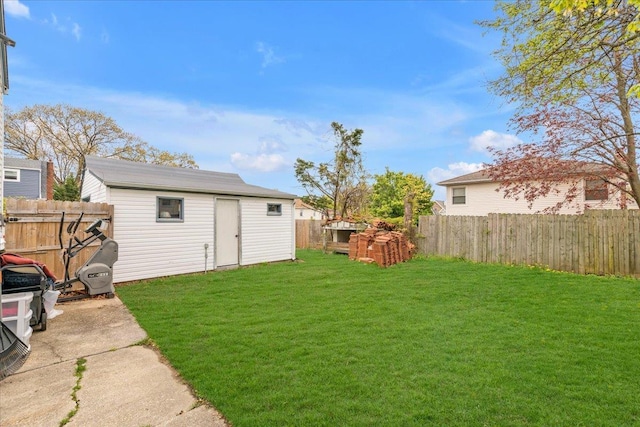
point(568, 7)
point(569, 76)
point(66, 134)
point(67, 191)
point(343, 180)
point(321, 203)
point(391, 191)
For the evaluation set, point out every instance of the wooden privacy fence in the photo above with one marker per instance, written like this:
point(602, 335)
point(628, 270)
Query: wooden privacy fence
point(308, 234)
point(32, 229)
point(597, 242)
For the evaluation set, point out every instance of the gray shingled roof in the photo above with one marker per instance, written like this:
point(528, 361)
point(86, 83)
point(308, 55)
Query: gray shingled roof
point(470, 178)
point(15, 162)
point(125, 174)
point(566, 169)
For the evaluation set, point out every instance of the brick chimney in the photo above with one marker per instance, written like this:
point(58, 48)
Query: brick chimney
point(50, 180)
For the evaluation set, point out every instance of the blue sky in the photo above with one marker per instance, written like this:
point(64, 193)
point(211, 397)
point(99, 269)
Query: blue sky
point(248, 87)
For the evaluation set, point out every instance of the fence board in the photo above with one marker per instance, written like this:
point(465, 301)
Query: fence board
point(308, 234)
point(32, 229)
point(598, 242)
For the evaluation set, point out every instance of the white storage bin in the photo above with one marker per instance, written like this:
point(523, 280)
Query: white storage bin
point(27, 336)
point(18, 318)
point(10, 308)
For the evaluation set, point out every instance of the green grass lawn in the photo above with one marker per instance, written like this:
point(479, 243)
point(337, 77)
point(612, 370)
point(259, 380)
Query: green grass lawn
point(329, 341)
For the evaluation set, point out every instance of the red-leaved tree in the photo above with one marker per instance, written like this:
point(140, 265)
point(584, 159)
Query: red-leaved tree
point(570, 77)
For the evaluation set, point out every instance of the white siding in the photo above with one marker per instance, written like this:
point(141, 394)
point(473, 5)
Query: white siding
point(482, 199)
point(304, 213)
point(92, 186)
point(266, 238)
point(154, 249)
point(148, 248)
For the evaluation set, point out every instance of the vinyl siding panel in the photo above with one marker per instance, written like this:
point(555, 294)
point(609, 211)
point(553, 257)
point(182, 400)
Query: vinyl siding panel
point(28, 187)
point(154, 249)
point(266, 238)
point(303, 213)
point(93, 187)
point(483, 199)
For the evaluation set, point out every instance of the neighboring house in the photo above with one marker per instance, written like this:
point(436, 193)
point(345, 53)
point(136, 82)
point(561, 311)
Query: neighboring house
point(172, 221)
point(28, 179)
point(438, 207)
point(305, 211)
point(477, 194)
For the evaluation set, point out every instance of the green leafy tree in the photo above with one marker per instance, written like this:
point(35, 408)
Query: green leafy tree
point(342, 180)
point(66, 134)
point(569, 7)
point(569, 76)
point(391, 191)
point(67, 191)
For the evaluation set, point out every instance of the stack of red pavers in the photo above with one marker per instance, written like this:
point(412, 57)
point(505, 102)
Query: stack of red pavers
point(383, 247)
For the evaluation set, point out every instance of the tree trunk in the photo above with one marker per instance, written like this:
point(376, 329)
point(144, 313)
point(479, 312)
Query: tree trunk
point(408, 216)
point(631, 161)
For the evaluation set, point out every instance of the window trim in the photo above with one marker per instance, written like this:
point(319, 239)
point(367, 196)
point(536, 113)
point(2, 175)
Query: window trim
point(278, 209)
point(17, 171)
point(159, 199)
point(453, 196)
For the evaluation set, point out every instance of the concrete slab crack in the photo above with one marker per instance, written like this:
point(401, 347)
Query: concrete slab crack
point(81, 366)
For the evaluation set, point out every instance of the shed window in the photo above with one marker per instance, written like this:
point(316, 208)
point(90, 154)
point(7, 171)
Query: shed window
point(274, 209)
point(12, 175)
point(170, 209)
point(459, 196)
point(595, 189)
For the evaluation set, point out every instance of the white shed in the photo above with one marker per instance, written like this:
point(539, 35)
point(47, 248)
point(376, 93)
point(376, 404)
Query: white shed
point(172, 221)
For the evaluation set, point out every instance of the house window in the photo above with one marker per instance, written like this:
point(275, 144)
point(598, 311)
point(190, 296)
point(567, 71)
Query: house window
point(274, 209)
point(459, 196)
point(170, 209)
point(12, 175)
point(595, 189)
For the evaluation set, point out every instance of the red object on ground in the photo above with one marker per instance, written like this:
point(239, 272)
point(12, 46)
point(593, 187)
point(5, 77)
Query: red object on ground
point(14, 259)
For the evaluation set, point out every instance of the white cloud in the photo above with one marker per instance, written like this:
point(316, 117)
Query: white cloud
point(267, 159)
point(271, 144)
point(70, 27)
point(453, 170)
point(490, 138)
point(76, 31)
point(17, 9)
point(259, 162)
point(269, 56)
point(53, 21)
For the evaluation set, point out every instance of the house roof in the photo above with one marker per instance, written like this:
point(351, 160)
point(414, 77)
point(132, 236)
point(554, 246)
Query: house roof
point(126, 174)
point(15, 162)
point(565, 169)
point(299, 204)
point(470, 178)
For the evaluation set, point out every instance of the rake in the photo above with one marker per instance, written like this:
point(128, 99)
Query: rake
point(13, 352)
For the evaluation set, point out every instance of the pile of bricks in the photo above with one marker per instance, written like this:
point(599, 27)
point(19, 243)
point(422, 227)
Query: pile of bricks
point(383, 247)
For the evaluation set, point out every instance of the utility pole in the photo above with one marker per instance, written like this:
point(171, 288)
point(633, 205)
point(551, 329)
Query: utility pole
point(4, 69)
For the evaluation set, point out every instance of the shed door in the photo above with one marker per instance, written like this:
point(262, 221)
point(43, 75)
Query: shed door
point(227, 232)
